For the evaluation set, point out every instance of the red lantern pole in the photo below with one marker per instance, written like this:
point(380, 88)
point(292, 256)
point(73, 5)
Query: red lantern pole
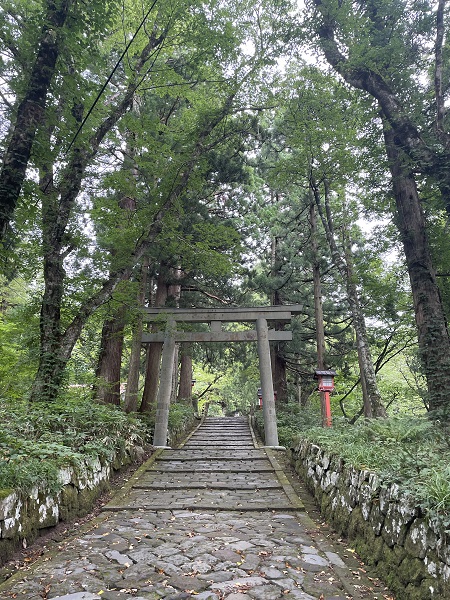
point(327, 415)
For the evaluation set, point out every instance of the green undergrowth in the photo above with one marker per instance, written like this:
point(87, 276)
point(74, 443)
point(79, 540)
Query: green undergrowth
point(180, 416)
point(36, 440)
point(411, 451)
point(292, 418)
point(180, 419)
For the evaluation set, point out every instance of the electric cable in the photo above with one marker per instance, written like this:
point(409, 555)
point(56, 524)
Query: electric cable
point(99, 95)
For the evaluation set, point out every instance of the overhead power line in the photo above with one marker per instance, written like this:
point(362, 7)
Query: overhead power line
point(110, 76)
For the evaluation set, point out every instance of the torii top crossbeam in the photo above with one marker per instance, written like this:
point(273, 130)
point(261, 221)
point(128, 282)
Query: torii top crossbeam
point(228, 314)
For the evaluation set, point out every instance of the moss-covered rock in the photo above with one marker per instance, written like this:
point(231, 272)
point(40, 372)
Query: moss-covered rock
point(411, 571)
point(416, 541)
point(356, 524)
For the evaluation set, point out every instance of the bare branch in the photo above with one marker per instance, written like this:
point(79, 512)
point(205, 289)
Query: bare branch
point(208, 387)
point(208, 295)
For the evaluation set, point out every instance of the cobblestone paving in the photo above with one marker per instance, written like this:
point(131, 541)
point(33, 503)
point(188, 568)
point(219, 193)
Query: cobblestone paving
point(216, 519)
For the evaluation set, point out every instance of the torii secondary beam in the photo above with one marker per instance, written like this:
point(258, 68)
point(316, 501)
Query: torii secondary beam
point(249, 335)
point(230, 315)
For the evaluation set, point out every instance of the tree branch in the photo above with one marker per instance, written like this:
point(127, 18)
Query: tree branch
point(208, 387)
point(364, 78)
point(207, 294)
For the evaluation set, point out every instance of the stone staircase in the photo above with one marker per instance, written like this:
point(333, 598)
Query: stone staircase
point(220, 467)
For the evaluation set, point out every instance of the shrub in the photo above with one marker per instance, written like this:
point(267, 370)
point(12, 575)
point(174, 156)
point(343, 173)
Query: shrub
point(37, 439)
point(411, 451)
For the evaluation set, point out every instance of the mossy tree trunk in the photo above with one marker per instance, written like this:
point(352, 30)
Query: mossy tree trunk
point(132, 390)
point(154, 350)
point(107, 388)
point(31, 110)
point(185, 387)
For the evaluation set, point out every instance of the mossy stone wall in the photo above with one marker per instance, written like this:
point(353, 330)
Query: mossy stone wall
point(387, 528)
point(24, 516)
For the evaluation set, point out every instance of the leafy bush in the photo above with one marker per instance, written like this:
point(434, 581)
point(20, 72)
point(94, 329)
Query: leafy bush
point(383, 445)
point(434, 489)
point(411, 451)
point(292, 418)
point(37, 439)
point(180, 415)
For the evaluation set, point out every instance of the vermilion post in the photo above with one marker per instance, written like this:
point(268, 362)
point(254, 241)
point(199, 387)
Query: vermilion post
point(327, 415)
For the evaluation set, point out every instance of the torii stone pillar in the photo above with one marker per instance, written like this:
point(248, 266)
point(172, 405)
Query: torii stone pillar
point(165, 386)
point(265, 372)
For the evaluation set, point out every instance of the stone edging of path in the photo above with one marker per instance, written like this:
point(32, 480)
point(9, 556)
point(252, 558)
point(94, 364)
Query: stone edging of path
point(385, 526)
point(22, 517)
point(284, 481)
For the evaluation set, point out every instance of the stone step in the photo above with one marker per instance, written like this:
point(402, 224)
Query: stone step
point(217, 453)
point(218, 444)
point(206, 457)
point(217, 426)
point(143, 496)
point(221, 435)
point(209, 470)
point(279, 507)
point(235, 427)
point(207, 486)
point(225, 430)
point(208, 478)
point(214, 463)
point(222, 439)
point(237, 443)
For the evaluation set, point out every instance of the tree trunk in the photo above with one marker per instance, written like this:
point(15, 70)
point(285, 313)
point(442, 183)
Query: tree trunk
point(132, 390)
point(185, 387)
point(175, 374)
point(373, 406)
point(174, 295)
point(279, 375)
point(30, 111)
point(433, 338)
point(154, 353)
point(48, 379)
point(107, 389)
point(49, 376)
point(318, 309)
point(154, 349)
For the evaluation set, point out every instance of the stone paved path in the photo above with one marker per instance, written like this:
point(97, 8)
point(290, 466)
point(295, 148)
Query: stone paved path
point(216, 519)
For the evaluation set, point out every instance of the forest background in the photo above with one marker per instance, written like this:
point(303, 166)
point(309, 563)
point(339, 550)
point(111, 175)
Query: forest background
point(226, 154)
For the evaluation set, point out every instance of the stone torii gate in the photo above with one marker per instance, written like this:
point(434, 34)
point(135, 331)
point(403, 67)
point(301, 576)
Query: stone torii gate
point(216, 316)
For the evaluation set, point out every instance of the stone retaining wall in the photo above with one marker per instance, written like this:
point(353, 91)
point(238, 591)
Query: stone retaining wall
point(24, 516)
point(410, 553)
